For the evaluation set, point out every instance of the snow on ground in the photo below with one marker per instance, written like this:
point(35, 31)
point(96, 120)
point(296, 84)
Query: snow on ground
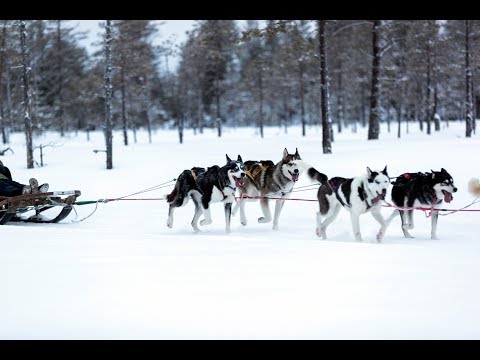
point(122, 274)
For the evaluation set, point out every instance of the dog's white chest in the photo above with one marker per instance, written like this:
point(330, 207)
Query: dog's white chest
point(227, 195)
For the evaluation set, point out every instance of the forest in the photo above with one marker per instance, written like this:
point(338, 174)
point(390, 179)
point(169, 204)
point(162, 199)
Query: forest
point(336, 74)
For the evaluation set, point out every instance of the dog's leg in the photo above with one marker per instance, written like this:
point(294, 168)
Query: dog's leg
point(377, 215)
point(405, 225)
point(355, 217)
point(207, 217)
point(177, 202)
point(267, 216)
point(198, 212)
point(170, 215)
point(434, 224)
point(278, 209)
point(329, 218)
point(410, 219)
point(243, 218)
point(228, 216)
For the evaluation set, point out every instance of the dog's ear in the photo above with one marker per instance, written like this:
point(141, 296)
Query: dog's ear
point(444, 171)
point(369, 172)
point(297, 155)
point(228, 159)
point(285, 153)
point(433, 173)
point(385, 170)
point(239, 158)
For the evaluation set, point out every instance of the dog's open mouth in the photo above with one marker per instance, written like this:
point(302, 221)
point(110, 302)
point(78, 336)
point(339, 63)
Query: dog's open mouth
point(294, 176)
point(239, 181)
point(381, 195)
point(447, 196)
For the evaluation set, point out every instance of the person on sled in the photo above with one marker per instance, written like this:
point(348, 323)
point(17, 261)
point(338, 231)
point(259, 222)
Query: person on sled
point(9, 187)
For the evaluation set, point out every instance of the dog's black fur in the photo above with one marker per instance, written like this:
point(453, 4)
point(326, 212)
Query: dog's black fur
point(207, 186)
point(421, 189)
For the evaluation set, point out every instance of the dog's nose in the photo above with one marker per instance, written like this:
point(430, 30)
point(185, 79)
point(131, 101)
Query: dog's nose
point(242, 174)
point(454, 189)
point(384, 191)
point(295, 171)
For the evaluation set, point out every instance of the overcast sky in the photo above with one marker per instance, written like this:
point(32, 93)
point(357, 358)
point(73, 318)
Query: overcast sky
point(174, 29)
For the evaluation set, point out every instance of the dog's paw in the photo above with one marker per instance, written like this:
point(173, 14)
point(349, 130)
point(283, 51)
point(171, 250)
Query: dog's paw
point(263, 220)
point(243, 222)
point(205, 222)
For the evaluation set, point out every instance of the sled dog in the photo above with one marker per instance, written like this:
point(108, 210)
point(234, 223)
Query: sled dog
point(205, 187)
point(421, 189)
point(358, 195)
point(267, 179)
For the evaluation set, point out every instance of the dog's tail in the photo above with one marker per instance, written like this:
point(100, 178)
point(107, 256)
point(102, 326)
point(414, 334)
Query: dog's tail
point(314, 174)
point(474, 187)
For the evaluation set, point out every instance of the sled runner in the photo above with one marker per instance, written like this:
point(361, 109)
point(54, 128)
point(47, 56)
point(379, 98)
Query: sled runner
point(12, 208)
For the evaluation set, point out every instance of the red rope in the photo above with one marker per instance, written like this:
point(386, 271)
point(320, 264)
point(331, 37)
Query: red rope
point(237, 198)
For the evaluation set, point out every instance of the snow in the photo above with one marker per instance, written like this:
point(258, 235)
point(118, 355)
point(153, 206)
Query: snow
point(122, 274)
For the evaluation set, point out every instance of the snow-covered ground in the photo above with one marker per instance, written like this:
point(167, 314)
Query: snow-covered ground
point(122, 274)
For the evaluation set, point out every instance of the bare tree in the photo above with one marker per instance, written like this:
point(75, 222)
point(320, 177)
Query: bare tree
point(468, 81)
point(26, 94)
point(326, 121)
point(373, 123)
point(2, 61)
point(108, 93)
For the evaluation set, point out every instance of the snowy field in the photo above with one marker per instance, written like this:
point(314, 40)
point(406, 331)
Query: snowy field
point(122, 274)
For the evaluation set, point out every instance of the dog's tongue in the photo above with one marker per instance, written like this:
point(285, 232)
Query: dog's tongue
point(295, 177)
point(447, 196)
point(239, 182)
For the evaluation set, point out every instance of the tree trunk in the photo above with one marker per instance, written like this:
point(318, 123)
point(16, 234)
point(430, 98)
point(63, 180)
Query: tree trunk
point(124, 102)
point(260, 101)
point(146, 104)
point(436, 118)
point(2, 61)
point(61, 119)
point(26, 95)
point(108, 93)
point(326, 121)
point(373, 123)
point(302, 96)
point(468, 82)
point(218, 115)
point(339, 97)
point(428, 112)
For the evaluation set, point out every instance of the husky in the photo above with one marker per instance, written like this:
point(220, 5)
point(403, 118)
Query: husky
point(205, 187)
point(358, 195)
point(421, 189)
point(266, 179)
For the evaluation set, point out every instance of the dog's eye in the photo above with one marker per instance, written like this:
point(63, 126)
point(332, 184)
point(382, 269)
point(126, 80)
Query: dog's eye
point(377, 182)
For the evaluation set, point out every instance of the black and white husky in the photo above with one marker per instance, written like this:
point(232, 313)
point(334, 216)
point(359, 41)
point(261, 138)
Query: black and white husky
point(358, 195)
point(207, 186)
point(421, 189)
point(266, 179)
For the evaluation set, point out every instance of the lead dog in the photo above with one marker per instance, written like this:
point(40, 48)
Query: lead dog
point(421, 189)
point(266, 179)
point(358, 195)
point(205, 187)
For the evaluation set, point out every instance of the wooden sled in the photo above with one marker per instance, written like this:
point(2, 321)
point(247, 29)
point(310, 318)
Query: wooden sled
point(11, 208)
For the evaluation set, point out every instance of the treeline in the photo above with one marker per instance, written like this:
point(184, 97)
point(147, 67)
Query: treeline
point(401, 72)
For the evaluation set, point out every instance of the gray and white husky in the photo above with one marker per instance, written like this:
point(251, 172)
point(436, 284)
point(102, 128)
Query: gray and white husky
point(266, 179)
point(358, 195)
point(207, 186)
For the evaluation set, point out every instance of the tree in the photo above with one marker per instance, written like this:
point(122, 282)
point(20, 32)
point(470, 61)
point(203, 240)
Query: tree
point(326, 121)
point(373, 123)
point(468, 82)
point(108, 93)
point(26, 94)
